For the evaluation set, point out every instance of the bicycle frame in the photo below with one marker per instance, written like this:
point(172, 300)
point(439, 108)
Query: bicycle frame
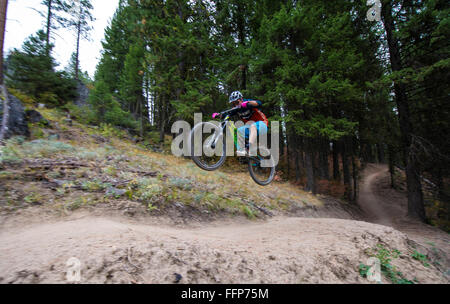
point(226, 121)
point(233, 130)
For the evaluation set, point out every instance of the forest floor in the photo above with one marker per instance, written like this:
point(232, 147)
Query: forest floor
point(133, 216)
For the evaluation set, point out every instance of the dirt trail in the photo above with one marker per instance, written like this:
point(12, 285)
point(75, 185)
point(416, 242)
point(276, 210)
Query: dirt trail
point(375, 210)
point(386, 206)
point(280, 250)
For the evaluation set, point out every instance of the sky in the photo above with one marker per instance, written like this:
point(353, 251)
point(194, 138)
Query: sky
point(23, 20)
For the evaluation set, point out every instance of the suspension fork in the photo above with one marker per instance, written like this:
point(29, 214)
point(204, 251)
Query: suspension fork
point(216, 137)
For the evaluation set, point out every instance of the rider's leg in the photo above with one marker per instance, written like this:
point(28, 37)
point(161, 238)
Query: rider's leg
point(259, 128)
point(252, 139)
point(243, 134)
point(253, 133)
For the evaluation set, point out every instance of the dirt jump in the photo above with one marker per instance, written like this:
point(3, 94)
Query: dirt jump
point(278, 250)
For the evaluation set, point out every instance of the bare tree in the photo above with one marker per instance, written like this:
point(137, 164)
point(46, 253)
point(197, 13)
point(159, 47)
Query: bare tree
point(3, 8)
point(3, 129)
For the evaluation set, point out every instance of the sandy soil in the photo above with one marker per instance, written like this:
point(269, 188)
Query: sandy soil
point(279, 250)
point(386, 206)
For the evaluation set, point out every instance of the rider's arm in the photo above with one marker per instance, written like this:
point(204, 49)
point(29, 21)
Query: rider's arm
point(253, 103)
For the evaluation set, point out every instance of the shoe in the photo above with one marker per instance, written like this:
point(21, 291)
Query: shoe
point(242, 152)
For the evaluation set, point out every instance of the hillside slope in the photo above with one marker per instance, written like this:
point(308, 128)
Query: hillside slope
point(133, 216)
point(69, 166)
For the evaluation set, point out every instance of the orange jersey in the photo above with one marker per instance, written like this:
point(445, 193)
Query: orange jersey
point(257, 116)
point(251, 113)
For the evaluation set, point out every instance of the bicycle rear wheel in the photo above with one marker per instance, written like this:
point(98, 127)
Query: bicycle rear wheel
point(262, 168)
point(208, 141)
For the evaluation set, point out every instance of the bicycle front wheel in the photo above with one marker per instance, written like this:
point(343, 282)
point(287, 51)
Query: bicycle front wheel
point(210, 142)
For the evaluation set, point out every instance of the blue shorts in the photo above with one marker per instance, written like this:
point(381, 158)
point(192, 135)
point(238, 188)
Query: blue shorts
point(260, 127)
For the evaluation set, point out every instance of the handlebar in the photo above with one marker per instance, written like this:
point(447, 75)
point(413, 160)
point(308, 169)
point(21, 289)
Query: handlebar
point(228, 111)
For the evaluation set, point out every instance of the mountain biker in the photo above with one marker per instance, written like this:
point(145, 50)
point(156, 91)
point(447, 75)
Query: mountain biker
point(247, 110)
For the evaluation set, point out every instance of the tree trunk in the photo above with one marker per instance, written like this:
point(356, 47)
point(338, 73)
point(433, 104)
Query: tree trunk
point(415, 196)
point(391, 156)
point(77, 63)
point(289, 148)
point(141, 104)
point(336, 172)
point(297, 158)
point(240, 23)
point(380, 152)
point(243, 77)
point(49, 26)
point(3, 10)
point(355, 180)
point(323, 159)
point(443, 196)
point(310, 179)
point(346, 170)
point(163, 120)
point(4, 91)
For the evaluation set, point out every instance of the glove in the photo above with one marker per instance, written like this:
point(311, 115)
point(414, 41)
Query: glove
point(244, 104)
point(215, 115)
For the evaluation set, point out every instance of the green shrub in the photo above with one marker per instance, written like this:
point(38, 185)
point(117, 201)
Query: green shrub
point(16, 149)
point(94, 185)
point(108, 131)
point(249, 213)
point(10, 154)
point(145, 182)
point(36, 131)
point(48, 98)
point(26, 99)
point(116, 116)
point(181, 183)
point(145, 194)
point(153, 137)
point(84, 114)
point(420, 257)
point(45, 148)
point(388, 270)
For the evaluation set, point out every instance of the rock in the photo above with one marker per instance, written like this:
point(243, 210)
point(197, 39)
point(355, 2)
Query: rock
point(111, 191)
point(178, 277)
point(68, 121)
point(54, 136)
point(83, 94)
point(17, 121)
point(34, 116)
point(99, 139)
point(156, 149)
point(60, 182)
point(41, 105)
point(179, 205)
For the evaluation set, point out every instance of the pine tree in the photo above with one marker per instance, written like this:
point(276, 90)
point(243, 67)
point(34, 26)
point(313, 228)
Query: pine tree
point(33, 72)
point(81, 16)
point(71, 70)
point(55, 12)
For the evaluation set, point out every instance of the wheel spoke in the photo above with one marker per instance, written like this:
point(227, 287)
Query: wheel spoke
point(208, 160)
point(261, 175)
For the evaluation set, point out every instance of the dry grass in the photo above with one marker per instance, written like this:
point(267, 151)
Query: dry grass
point(119, 163)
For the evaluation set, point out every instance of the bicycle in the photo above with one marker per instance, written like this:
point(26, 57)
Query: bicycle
point(262, 175)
